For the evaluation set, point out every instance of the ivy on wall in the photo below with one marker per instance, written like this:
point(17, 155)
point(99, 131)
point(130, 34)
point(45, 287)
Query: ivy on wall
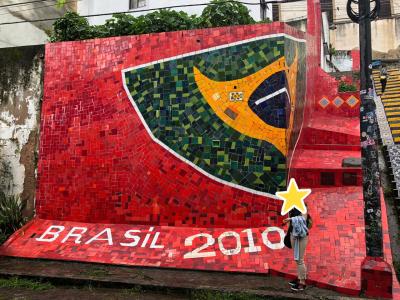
point(72, 27)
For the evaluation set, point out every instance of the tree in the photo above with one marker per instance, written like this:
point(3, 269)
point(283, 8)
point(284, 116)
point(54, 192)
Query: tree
point(60, 3)
point(119, 24)
point(71, 27)
point(165, 20)
point(225, 13)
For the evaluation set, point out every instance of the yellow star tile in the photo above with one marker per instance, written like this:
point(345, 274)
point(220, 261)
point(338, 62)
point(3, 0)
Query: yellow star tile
point(293, 198)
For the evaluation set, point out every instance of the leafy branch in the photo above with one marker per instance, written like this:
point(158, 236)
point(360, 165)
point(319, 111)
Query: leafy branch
point(72, 27)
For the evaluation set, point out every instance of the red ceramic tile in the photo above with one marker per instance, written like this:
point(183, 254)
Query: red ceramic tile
point(333, 257)
point(99, 169)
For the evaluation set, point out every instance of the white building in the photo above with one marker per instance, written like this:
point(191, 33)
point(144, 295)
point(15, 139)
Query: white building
point(91, 7)
point(343, 33)
point(27, 33)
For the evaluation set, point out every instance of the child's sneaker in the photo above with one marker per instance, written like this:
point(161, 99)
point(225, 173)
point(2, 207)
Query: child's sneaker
point(293, 282)
point(298, 287)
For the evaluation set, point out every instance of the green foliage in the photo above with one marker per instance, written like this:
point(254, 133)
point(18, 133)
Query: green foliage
point(266, 21)
point(119, 24)
point(214, 295)
point(11, 218)
point(224, 13)
point(97, 272)
point(16, 282)
point(60, 3)
point(344, 87)
point(332, 50)
point(164, 20)
point(72, 27)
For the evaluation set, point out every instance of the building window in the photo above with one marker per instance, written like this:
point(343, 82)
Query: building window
point(275, 12)
point(326, 6)
point(327, 178)
point(133, 4)
point(386, 10)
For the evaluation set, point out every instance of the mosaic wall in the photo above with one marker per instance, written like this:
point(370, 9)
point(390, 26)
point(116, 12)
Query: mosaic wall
point(157, 167)
point(226, 111)
point(130, 133)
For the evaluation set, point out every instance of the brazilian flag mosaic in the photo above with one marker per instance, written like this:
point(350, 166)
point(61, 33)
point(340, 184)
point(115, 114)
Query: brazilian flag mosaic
point(170, 97)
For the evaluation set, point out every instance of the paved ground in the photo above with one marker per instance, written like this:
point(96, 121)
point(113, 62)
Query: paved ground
point(145, 283)
point(71, 293)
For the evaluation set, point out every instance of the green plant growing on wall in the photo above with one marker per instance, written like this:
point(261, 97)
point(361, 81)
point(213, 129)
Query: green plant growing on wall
point(344, 87)
point(165, 20)
point(223, 13)
point(71, 27)
point(61, 3)
point(266, 21)
point(332, 52)
point(11, 217)
point(119, 24)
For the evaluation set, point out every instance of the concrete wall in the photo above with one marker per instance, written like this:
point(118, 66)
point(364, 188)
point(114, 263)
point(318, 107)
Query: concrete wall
point(20, 100)
point(300, 24)
point(340, 13)
point(89, 7)
point(339, 10)
point(292, 11)
point(385, 35)
point(385, 32)
point(24, 34)
point(19, 34)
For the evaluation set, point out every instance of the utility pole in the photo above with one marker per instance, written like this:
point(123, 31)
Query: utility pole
point(369, 131)
point(375, 271)
point(263, 10)
point(369, 140)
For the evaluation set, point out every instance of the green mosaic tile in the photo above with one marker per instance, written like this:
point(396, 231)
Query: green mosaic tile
point(179, 116)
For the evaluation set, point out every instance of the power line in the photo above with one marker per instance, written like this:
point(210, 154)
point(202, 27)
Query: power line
point(35, 8)
point(136, 11)
point(152, 9)
point(23, 3)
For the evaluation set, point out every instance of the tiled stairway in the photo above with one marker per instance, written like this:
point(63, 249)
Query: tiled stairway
point(324, 145)
point(390, 100)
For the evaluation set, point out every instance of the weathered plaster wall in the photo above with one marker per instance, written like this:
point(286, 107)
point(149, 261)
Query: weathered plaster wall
point(20, 100)
point(385, 35)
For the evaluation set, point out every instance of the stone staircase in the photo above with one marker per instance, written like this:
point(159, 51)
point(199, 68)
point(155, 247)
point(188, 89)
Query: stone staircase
point(391, 100)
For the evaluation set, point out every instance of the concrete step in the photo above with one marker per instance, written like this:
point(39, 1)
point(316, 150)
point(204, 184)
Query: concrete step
point(391, 104)
point(391, 108)
point(393, 113)
point(161, 280)
point(391, 96)
point(391, 100)
point(322, 168)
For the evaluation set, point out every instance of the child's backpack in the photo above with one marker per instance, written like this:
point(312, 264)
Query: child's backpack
point(309, 221)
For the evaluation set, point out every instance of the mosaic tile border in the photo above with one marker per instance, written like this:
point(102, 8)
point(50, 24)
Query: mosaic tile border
point(269, 36)
point(338, 101)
